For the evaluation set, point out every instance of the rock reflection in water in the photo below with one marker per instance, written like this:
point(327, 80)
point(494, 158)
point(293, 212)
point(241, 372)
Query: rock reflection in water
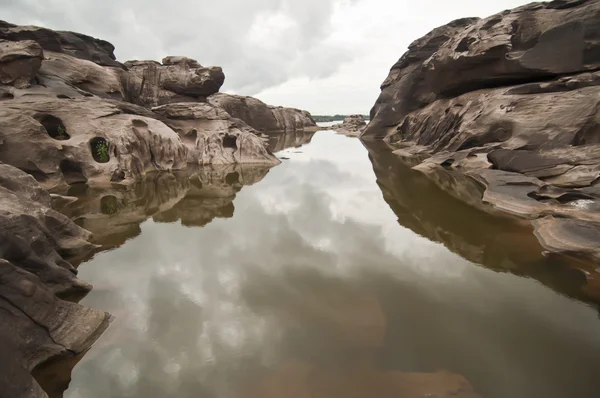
point(446, 207)
point(195, 197)
point(313, 289)
point(279, 141)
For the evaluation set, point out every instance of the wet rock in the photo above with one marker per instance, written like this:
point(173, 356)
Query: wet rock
point(213, 137)
point(512, 101)
point(261, 116)
point(19, 62)
point(35, 325)
point(352, 126)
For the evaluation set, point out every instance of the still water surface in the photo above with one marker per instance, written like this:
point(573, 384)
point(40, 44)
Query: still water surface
point(318, 278)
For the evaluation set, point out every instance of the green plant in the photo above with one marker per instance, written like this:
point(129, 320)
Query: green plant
point(61, 134)
point(101, 149)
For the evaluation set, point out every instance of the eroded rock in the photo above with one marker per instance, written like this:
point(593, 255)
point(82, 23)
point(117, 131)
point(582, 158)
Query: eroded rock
point(261, 116)
point(35, 325)
point(20, 62)
point(213, 137)
point(513, 101)
point(178, 79)
point(352, 126)
point(85, 141)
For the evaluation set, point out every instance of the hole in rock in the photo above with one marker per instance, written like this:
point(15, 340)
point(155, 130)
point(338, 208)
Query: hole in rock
point(72, 172)
point(63, 96)
point(54, 127)
point(232, 178)
point(230, 141)
point(6, 96)
point(99, 148)
point(109, 205)
point(448, 163)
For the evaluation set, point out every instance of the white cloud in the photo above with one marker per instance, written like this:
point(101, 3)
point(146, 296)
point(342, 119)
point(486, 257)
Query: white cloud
point(326, 56)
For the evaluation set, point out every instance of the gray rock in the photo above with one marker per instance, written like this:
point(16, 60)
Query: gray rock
point(35, 325)
point(352, 126)
point(179, 79)
point(213, 137)
point(511, 100)
point(85, 141)
point(261, 116)
point(20, 62)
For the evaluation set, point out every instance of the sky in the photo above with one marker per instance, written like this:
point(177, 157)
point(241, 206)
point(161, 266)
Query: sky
point(325, 56)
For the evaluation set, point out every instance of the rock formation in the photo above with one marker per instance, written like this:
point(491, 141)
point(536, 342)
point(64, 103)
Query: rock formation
point(352, 125)
point(35, 325)
point(75, 119)
point(261, 116)
point(70, 113)
point(513, 102)
point(213, 137)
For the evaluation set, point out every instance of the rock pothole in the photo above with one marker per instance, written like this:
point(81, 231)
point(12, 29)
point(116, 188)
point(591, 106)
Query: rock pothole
point(54, 127)
point(99, 147)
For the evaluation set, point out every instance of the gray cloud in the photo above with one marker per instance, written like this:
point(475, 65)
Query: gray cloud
point(259, 43)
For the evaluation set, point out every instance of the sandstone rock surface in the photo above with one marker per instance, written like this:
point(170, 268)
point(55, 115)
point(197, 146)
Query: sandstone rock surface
point(513, 102)
point(35, 325)
point(213, 137)
point(352, 126)
point(261, 116)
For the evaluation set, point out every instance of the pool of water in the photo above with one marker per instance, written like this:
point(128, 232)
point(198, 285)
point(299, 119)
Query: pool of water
point(339, 273)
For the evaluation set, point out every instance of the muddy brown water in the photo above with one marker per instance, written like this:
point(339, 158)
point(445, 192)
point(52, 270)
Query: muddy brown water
point(339, 273)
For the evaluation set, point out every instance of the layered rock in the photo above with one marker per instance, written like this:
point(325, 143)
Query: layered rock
point(513, 101)
point(261, 116)
point(213, 137)
point(85, 141)
point(89, 116)
point(352, 125)
point(178, 79)
point(35, 325)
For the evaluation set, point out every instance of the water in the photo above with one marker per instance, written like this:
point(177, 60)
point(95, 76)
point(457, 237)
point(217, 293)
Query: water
point(330, 275)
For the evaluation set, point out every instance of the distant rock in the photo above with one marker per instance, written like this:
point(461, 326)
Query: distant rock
point(513, 101)
point(261, 116)
point(352, 126)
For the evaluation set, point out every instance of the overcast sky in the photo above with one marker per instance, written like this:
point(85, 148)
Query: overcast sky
point(325, 56)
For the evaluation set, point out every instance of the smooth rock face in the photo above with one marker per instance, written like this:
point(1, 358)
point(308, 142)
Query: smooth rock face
point(512, 100)
point(261, 116)
point(352, 125)
point(35, 325)
point(213, 137)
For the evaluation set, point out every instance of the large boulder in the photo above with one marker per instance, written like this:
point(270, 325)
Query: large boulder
point(35, 325)
point(74, 44)
point(85, 141)
point(532, 43)
point(212, 136)
point(513, 101)
point(261, 116)
point(20, 62)
point(178, 79)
